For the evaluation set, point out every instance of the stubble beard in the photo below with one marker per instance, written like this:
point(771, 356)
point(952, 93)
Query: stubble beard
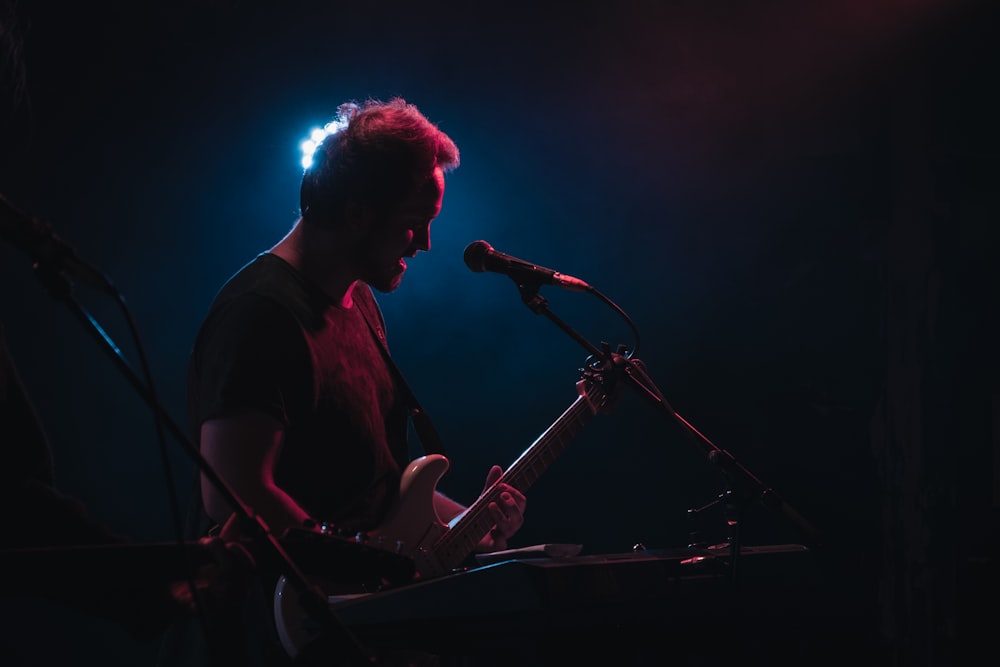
point(379, 276)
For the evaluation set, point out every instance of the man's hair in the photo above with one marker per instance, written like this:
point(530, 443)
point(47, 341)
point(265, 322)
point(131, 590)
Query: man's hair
point(380, 154)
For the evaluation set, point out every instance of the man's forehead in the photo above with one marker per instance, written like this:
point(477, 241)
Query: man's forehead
point(435, 183)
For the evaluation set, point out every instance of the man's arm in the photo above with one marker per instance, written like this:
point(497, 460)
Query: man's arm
point(243, 450)
point(447, 509)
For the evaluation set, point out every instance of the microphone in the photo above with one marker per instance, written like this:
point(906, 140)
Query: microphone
point(480, 256)
point(45, 247)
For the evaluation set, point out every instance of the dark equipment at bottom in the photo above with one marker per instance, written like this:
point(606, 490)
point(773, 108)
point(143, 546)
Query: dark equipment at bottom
point(650, 607)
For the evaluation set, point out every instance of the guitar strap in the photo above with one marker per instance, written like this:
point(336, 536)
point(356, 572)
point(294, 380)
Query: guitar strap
point(422, 424)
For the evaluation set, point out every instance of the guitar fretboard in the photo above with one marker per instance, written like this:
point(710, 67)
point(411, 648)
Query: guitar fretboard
point(456, 544)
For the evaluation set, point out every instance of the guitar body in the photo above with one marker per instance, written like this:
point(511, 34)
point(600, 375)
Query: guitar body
point(413, 528)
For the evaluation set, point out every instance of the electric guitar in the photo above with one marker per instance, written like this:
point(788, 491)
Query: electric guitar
point(412, 525)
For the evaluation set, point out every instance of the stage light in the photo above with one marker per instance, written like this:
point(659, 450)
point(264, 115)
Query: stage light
point(316, 137)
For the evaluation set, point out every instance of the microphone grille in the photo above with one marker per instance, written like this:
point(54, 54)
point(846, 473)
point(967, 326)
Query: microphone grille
point(475, 255)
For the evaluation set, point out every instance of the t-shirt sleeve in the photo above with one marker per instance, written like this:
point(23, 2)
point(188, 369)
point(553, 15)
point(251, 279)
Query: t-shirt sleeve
point(250, 356)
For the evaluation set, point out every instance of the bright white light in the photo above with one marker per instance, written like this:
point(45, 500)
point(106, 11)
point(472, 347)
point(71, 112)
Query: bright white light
point(316, 137)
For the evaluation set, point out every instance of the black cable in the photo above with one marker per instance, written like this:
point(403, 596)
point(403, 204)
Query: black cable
point(172, 499)
point(628, 320)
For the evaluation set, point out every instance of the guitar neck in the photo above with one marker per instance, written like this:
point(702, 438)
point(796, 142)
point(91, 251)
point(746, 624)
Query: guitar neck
point(549, 446)
point(455, 545)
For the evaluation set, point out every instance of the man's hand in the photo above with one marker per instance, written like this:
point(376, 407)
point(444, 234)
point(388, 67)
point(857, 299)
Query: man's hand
point(224, 581)
point(507, 511)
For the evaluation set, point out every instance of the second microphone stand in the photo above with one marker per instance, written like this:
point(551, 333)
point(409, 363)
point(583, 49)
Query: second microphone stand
point(333, 636)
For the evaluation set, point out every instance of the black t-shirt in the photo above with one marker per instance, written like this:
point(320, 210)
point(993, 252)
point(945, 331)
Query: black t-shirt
point(276, 344)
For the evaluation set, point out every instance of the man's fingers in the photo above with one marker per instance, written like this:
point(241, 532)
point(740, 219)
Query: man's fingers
point(495, 473)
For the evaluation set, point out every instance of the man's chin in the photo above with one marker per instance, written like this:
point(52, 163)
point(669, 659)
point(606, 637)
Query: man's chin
point(387, 285)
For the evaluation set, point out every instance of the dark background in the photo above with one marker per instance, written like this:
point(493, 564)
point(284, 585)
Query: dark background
point(795, 203)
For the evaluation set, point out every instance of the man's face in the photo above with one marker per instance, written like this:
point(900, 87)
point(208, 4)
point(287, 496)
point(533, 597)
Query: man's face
point(388, 241)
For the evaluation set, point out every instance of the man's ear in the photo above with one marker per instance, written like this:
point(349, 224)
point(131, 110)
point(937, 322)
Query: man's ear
point(358, 218)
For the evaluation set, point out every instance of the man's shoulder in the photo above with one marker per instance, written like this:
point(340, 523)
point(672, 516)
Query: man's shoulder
point(264, 273)
point(258, 294)
point(269, 281)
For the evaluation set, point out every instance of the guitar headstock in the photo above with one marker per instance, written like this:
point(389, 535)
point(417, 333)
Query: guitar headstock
point(601, 381)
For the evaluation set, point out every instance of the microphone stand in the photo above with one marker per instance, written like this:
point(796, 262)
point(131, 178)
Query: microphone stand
point(742, 486)
point(312, 598)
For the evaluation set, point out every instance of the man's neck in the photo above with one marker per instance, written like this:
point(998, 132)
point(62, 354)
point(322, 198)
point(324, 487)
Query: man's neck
point(314, 254)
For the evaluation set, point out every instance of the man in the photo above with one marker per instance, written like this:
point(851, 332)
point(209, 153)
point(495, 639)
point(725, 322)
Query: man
point(291, 390)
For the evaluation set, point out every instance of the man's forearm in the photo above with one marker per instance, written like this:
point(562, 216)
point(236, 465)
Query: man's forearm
point(447, 509)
